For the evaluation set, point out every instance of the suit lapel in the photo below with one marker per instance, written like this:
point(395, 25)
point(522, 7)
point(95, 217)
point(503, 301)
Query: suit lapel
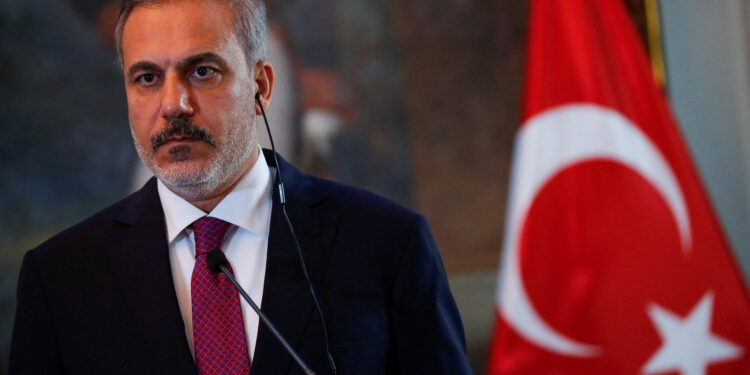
point(140, 259)
point(286, 297)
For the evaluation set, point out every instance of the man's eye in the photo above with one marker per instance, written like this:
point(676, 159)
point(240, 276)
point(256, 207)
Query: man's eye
point(147, 79)
point(204, 72)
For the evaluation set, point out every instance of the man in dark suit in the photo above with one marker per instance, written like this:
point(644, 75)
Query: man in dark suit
point(114, 294)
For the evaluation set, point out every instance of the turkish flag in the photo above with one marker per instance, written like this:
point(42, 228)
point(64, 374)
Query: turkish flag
point(613, 260)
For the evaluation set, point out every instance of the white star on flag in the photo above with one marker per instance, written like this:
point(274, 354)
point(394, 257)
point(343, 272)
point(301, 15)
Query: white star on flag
point(688, 345)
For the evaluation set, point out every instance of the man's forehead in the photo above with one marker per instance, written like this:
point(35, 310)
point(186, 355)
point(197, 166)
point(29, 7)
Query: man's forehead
point(176, 29)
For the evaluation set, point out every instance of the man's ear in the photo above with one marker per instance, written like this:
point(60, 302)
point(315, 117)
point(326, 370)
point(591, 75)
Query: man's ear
point(263, 73)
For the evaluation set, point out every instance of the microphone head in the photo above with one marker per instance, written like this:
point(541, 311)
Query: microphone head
point(215, 260)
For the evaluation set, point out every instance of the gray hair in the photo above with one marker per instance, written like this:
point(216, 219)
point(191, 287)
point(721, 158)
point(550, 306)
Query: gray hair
point(249, 24)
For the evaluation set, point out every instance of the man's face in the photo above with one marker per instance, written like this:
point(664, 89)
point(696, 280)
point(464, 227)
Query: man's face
point(190, 95)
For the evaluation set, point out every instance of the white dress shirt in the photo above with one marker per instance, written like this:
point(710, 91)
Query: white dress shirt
point(248, 208)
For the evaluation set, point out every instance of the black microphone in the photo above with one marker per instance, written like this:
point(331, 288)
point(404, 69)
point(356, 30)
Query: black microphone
point(217, 263)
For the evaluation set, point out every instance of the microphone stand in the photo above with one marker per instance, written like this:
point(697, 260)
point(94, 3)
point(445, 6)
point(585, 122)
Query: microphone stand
point(216, 263)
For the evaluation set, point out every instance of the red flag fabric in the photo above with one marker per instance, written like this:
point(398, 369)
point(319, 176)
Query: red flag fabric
point(613, 260)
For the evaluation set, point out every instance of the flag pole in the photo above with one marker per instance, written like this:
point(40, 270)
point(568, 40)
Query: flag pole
point(653, 29)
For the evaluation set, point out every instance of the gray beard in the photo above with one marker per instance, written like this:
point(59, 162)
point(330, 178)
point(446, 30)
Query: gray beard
point(201, 182)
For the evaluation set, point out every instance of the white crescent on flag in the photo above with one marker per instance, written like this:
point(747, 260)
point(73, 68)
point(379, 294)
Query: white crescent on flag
point(547, 144)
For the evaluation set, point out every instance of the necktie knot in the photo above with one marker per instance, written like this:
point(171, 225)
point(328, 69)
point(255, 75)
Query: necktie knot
point(209, 234)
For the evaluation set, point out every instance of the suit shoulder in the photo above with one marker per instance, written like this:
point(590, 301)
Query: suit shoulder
point(353, 200)
point(93, 231)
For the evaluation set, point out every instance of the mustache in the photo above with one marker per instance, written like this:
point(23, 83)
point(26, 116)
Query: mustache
point(181, 127)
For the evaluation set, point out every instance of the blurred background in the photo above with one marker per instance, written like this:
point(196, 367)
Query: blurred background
point(415, 100)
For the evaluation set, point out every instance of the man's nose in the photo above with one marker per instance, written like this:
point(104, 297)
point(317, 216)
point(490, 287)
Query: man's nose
point(176, 98)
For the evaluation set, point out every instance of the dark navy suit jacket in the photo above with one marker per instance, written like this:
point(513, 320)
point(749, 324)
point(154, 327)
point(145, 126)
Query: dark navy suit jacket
point(99, 298)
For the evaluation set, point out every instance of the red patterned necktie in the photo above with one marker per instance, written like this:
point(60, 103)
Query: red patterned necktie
point(218, 328)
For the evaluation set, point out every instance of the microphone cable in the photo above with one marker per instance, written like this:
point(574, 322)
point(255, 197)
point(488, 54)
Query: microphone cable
point(282, 199)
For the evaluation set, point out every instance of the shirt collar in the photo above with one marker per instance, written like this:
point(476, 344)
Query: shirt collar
point(247, 206)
